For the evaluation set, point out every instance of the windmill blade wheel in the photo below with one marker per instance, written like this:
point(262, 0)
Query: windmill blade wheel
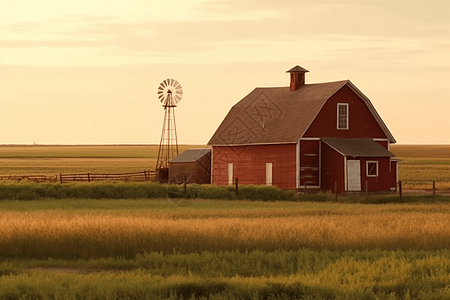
point(170, 92)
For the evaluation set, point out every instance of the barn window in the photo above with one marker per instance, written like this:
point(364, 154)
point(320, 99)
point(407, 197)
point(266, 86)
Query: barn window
point(342, 116)
point(372, 168)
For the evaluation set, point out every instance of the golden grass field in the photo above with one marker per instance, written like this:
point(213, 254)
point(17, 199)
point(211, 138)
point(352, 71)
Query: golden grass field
point(426, 163)
point(418, 162)
point(215, 248)
point(217, 226)
point(53, 159)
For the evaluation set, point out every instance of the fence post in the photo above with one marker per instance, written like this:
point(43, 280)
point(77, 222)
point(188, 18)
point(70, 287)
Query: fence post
point(89, 178)
point(335, 191)
point(237, 187)
point(434, 187)
point(400, 188)
point(367, 190)
point(60, 177)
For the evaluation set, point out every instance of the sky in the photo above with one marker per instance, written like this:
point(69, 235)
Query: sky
point(87, 71)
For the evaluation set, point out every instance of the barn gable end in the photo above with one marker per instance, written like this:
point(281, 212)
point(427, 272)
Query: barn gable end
point(361, 123)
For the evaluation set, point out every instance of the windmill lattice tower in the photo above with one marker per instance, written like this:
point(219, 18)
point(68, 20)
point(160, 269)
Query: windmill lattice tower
point(170, 93)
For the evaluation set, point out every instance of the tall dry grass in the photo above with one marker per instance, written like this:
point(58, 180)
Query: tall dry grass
point(62, 235)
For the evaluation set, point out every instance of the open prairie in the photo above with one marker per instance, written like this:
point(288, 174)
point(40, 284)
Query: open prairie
point(215, 249)
point(423, 163)
point(418, 162)
point(55, 159)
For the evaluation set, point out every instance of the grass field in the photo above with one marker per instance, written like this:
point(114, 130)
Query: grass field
point(425, 163)
point(135, 249)
point(154, 249)
point(429, 161)
point(53, 159)
point(419, 165)
point(157, 226)
point(418, 162)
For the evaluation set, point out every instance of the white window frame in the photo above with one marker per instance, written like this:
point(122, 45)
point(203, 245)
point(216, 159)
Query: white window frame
point(338, 116)
point(367, 168)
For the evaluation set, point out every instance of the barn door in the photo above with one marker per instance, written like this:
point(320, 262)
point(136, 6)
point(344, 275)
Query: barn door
point(353, 175)
point(230, 173)
point(268, 173)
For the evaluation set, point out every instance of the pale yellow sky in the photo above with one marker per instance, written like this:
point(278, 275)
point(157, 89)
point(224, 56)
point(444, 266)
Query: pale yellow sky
point(86, 72)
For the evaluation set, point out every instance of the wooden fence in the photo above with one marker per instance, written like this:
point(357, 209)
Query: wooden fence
point(35, 178)
point(426, 184)
point(137, 176)
point(87, 177)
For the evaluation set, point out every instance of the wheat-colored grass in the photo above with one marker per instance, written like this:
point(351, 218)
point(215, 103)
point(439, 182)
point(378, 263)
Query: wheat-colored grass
point(84, 235)
point(55, 159)
point(83, 151)
point(423, 163)
point(55, 166)
point(418, 162)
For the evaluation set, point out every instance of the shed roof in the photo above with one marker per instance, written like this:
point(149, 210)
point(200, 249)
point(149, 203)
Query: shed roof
point(358, 147)
point(191, 155)
point(276, 115)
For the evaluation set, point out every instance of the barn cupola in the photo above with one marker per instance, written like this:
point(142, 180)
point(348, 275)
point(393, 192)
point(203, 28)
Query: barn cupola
point(297, 77)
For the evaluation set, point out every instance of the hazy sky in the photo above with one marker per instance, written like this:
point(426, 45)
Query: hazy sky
point(87, 71)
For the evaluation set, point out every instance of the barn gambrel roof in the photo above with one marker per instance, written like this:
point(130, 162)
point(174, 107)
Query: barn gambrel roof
point(275, 115)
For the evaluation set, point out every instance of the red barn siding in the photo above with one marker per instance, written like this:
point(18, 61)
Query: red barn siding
point(362, 124)
point(394, 173)
point(249, 164)
point(309, 162)
point(385, 179)
point(332, 169)
point(385, 144)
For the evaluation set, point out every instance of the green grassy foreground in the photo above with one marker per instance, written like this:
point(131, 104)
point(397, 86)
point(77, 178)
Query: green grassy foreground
point(139, 190)
point(302, 273)
point(10, 190)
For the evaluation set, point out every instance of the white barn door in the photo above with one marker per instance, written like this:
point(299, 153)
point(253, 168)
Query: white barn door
point(230, 173)
point(268, 173)
point(353, 175)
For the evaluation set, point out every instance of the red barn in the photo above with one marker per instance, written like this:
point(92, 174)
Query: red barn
point(320, 136)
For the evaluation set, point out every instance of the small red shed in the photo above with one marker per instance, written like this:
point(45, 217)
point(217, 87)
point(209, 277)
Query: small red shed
point(319, 136)
point(192, 166)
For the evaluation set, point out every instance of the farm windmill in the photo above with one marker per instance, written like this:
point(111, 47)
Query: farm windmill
point(169, 93)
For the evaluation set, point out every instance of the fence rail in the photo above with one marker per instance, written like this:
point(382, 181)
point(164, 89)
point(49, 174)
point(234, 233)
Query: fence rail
point(87, 177)
point(426, 184)
point(35, 178)
point(137, 176)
